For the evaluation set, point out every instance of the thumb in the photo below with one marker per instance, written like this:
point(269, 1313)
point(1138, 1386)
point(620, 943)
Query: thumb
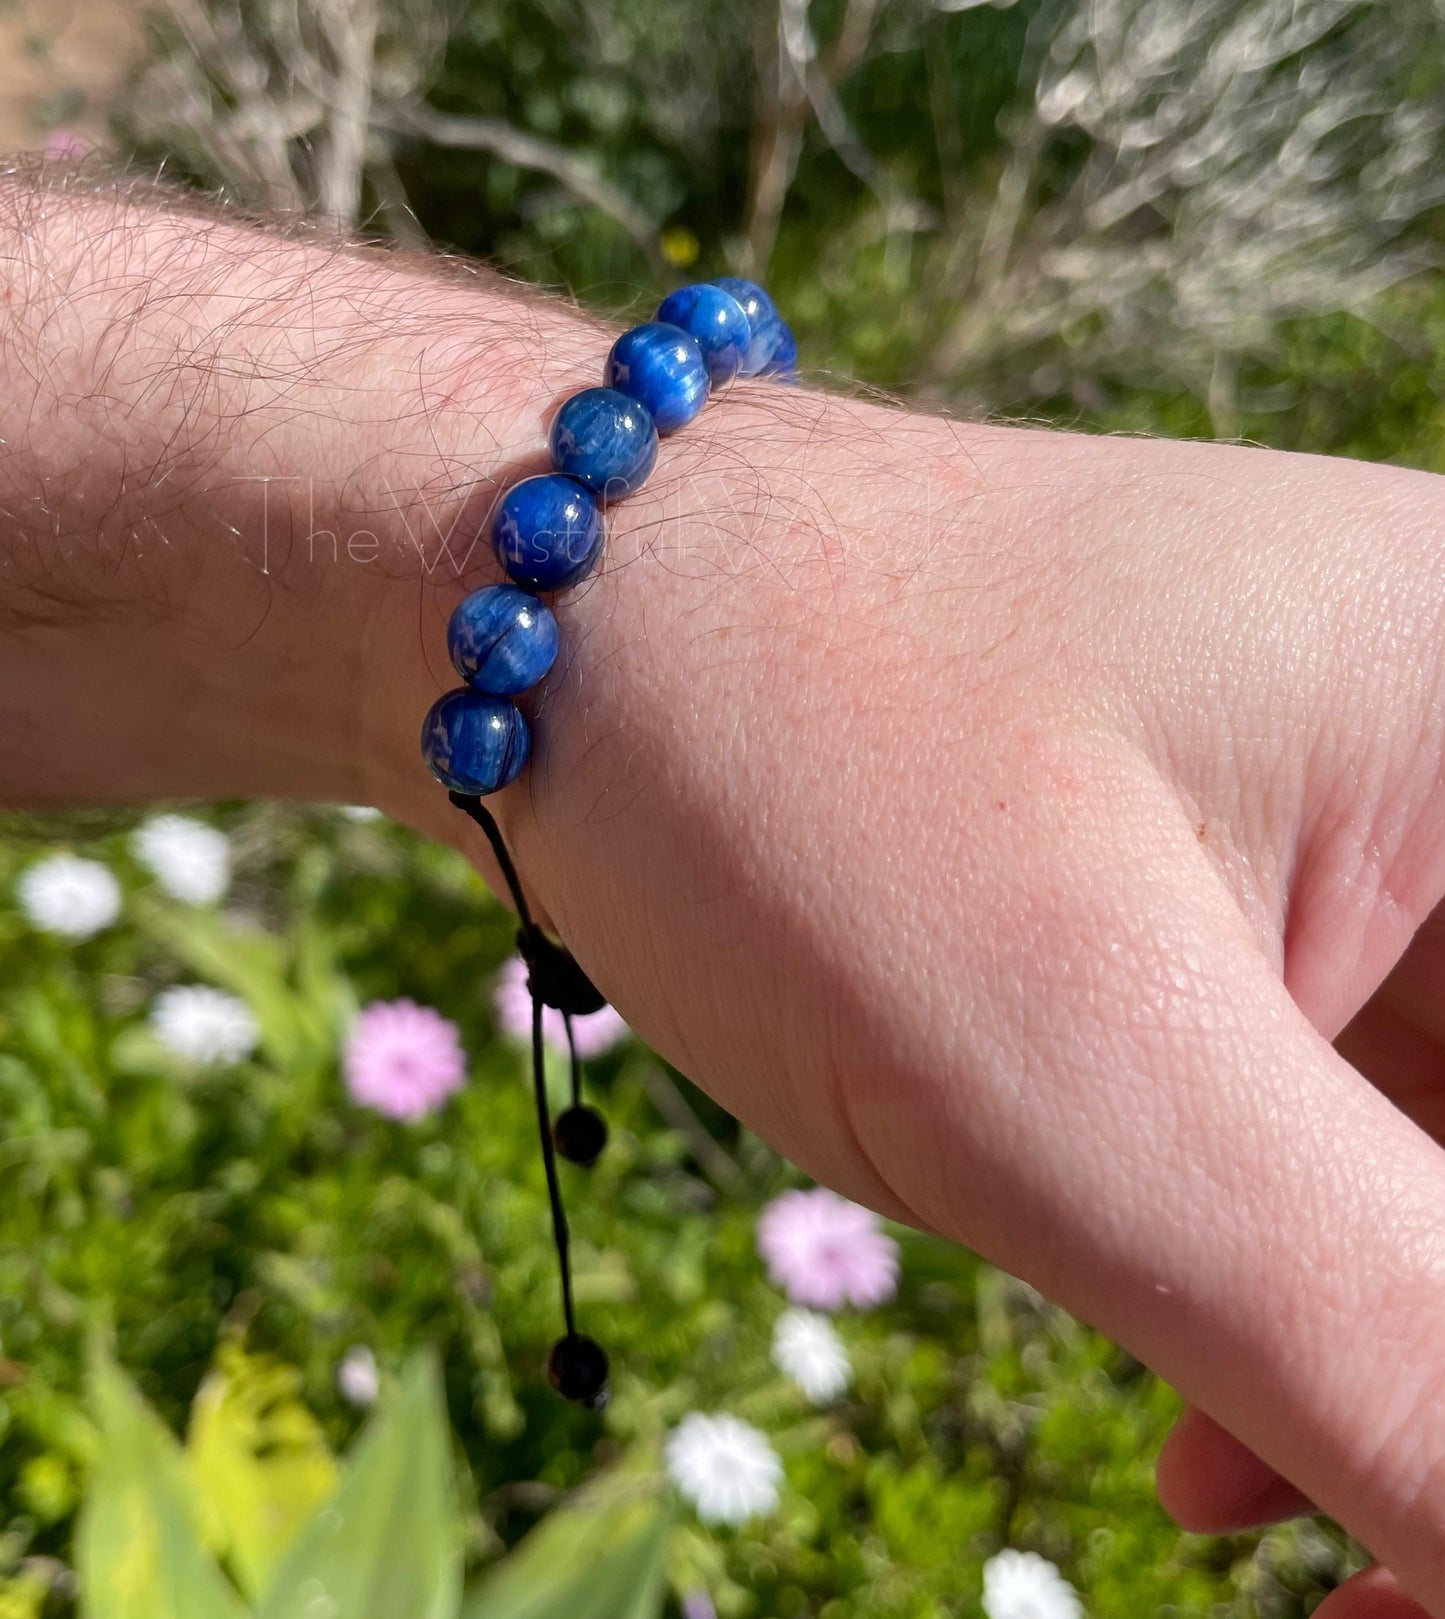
point(1332, 1366)
point(1159, 1139)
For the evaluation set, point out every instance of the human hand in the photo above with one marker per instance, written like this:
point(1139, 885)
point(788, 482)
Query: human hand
point(1002, 823)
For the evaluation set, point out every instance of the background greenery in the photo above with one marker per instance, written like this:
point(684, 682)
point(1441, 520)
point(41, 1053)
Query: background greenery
point(179, 1211)
point(611, 151)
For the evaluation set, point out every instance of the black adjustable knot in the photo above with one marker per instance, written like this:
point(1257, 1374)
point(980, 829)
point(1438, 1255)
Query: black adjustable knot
point(577, 1366)
point(577, 1369)
point(554, 977)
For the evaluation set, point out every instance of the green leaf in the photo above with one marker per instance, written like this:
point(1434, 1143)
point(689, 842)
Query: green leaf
point(296, 1029)
point(138, 1547)
point(599, 1559)
point(23, 1597)
point(388, 1544)
point(259, 1461)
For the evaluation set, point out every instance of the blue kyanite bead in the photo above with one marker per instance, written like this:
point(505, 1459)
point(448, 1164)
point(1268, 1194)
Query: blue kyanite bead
point(762, 318)
point(474, 743)
point(502, 640)
point(784, 363)
point(717, 320)
point(547, 532)
point(604, 440)
point(661, 367)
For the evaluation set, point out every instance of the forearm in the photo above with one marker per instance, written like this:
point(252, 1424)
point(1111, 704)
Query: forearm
point(245, 478)
point(241, 478)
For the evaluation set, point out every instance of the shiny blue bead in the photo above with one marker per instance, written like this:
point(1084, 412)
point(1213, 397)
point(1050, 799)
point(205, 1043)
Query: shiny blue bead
point(502, 640)
point(661, 367)
point(547, 532)
point(473, 743)
point(604, 440)
point(784, 363)
point(763, 319)
point(718, 322)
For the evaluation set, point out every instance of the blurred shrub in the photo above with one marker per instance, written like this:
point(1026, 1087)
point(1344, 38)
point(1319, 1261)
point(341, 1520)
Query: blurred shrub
point(178, 1209)
point(1100, 210)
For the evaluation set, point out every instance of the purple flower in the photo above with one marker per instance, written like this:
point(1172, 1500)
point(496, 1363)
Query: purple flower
point(825, 1252)
point(402, 1060)
point(595, 1033)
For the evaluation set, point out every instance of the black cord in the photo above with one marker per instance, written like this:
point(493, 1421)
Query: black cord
point(470, 804)
point(473, 807)
point(549, 1161)
point(577, 1365)
point(576, 1064)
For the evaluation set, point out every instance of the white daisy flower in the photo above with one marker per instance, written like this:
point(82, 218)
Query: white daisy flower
point(360, 812)
point(205, 1025)
point(724, 1467)
point(70, 896)
point(190, 860)
point(808, 1350)
point(1023, 1585)
point(357, 1376)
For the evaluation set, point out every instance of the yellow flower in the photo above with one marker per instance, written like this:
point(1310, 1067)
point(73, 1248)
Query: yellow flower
point(678, 246)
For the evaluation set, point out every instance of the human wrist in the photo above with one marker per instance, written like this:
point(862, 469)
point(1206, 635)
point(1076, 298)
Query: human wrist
point(694, 515)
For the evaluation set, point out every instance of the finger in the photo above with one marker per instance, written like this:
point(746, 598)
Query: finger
point(1210, 1483)
point(1415, 985)
point(1397, 1038)
point(1373, 1593)
point(1389, 1047)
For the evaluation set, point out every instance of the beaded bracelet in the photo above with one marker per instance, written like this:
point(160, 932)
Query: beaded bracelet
point(547, 533)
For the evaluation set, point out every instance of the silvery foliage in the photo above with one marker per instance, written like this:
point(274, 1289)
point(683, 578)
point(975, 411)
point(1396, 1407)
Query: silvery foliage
point(277, 100)
point(1243, 162)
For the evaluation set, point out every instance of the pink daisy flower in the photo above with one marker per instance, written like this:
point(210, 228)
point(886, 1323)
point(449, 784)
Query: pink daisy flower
point(596, 1033)
point(402, 1060)
point(825, 1252)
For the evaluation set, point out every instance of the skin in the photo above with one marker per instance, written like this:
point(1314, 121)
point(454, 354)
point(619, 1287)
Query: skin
point(1037, 838)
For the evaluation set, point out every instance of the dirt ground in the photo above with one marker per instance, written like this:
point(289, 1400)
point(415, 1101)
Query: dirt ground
point(60, 62)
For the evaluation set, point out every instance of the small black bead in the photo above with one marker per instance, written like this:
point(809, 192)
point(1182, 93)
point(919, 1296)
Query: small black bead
point(577, 1369)
point(554, 976)
point(579, 1135)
